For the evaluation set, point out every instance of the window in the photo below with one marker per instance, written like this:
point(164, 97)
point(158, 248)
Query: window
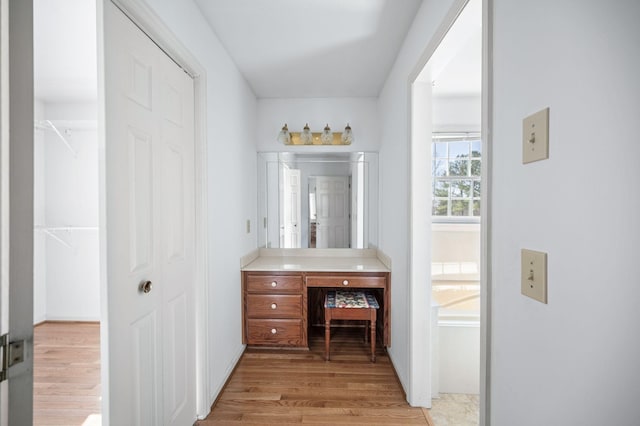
point(456, 167)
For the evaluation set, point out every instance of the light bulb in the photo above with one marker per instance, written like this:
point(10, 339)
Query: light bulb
point(306, 137)
point(347, 135)
point(327, 136)
point(284, 136)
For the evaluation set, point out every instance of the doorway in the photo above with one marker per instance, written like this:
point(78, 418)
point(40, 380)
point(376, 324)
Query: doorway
point(66, 266)
point(66, 129)
point(447, 160)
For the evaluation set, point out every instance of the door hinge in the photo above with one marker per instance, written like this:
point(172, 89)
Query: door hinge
point(12, 354)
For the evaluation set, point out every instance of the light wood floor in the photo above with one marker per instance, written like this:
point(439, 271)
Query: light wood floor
point(66, 388)
point(267, 387)
point(280, 387)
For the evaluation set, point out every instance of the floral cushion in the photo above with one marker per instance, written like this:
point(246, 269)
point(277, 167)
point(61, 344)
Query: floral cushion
point(350, 299)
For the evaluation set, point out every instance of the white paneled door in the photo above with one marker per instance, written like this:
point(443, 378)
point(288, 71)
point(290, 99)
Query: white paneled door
point(291, 199)
point(150, 267)
point(332, 214)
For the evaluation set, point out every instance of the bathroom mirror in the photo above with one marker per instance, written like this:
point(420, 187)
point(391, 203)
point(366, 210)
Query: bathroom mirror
point(317, 200)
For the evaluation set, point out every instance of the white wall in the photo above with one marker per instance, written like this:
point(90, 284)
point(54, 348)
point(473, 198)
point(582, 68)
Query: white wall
point(393, 110)
point(230, 121)
point(66, 269)
point(360, 113)
point(459, 357)
point(456, 113)
point(575, 360)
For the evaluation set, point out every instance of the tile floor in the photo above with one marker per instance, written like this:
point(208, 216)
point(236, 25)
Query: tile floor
point(454, 409)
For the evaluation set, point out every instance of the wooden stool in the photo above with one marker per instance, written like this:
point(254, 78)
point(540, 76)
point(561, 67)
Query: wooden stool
point(349, 305)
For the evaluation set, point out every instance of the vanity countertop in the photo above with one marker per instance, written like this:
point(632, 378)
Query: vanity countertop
point(316, 260)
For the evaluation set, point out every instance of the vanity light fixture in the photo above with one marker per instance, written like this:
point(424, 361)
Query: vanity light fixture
point(307, 137)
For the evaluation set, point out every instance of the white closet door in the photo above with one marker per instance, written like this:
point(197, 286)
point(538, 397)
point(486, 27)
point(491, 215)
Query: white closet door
point(149, 177)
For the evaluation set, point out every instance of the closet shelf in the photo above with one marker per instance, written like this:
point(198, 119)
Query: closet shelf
point(66, 228)
point(48, 125)
point(53, 232)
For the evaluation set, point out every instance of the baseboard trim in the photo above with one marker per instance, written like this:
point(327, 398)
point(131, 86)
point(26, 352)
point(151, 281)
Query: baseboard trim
point(48, 321)
point(228, 379)
point(395, 373)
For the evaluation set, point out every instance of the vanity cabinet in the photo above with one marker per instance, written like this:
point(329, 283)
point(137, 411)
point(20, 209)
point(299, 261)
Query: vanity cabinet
point(274, 305)
point(279, 307)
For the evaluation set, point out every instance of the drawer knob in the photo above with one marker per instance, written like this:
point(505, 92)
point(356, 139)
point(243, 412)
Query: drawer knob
point(345, 282)
point(273, 283)
point(274, 306)
point(274, 331)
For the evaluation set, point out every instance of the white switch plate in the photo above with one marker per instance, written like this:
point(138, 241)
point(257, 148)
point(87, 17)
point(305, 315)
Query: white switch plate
point(534, 275)
point(535, 137)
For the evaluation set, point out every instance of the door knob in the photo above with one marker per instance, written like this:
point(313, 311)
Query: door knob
point(145, 286)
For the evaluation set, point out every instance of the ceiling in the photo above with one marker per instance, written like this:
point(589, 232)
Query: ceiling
point(456, 65)
point(312, 48)
point(64, 38)
point(284, 48)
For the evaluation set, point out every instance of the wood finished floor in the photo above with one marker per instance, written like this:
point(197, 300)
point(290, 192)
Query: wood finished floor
point(267, 387)
point(272, 387)
point(66, 374)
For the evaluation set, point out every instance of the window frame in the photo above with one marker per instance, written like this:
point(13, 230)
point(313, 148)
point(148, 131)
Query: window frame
point(449, 137)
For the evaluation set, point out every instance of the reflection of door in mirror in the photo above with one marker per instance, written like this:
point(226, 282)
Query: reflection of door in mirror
point(358, 169)
point(290, 235)
point(332, 211)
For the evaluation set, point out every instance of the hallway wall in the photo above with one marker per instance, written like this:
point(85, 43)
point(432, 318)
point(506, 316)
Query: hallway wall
point(574, 360)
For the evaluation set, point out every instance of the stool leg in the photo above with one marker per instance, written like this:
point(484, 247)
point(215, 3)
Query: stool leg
point(373, 336)
point(327, 336)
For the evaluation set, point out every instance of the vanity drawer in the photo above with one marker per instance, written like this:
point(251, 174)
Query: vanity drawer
point(276, 332)
point(274, 306)
point(258, 283)
point(341, 281)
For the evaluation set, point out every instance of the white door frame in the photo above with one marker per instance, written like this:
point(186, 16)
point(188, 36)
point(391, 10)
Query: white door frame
point(16, 248)
point(419, 348)
point(149, 22)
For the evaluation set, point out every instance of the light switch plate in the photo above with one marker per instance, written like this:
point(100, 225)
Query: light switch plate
point(534, 275)
point(535, 137)
point(248, 226)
